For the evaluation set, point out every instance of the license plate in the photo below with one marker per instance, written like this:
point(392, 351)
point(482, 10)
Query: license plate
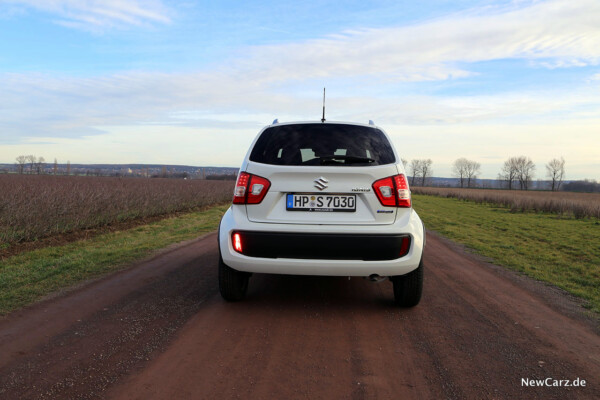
point(321, 202)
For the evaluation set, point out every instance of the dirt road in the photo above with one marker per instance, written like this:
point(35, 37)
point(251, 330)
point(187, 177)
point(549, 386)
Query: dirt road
point(161, 331)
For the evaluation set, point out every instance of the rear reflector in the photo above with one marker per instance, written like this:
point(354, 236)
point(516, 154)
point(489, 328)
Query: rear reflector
point(404, 246)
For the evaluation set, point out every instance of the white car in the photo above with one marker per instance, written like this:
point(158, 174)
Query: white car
point(322, 198)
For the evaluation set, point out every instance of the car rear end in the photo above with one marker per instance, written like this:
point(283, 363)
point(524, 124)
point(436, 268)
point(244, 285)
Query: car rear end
point(322, 199)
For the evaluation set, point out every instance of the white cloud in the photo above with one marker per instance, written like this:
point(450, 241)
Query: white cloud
point(98, 15)
point(560, 33)
point(270, 80)
point(41, 105)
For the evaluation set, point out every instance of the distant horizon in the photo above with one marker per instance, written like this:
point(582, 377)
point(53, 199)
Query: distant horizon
point(174, 82)
point(48, 166)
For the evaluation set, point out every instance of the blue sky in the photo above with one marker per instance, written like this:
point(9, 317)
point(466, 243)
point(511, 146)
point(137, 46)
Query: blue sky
point(184, 82)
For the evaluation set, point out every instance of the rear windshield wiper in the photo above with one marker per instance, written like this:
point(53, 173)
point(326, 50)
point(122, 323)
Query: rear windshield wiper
point(346, 159)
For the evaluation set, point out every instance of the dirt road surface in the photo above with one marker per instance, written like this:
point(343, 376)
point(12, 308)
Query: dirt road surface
point(160, 330)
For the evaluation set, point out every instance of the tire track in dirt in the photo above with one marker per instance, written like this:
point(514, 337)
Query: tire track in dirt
point(77, 345)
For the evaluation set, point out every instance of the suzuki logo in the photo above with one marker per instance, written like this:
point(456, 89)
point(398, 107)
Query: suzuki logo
point(321, 183)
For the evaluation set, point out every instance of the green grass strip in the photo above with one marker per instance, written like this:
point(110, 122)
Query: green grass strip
point(562, 251)
point(27, 277)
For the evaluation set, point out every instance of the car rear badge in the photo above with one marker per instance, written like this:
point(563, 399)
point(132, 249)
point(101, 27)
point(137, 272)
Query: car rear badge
point(321, 183)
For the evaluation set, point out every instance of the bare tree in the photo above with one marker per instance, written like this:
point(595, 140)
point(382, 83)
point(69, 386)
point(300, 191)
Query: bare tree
point(509, 172)
point(459, 170)
point(31, 159)
point(525, 171)
point(426, 170)
point(404, 163)
point(20, 164)
point(40, 163)
point(415, 168)
point(555, 170)
point(55, 167)
point(473, 169)
point(68, 167)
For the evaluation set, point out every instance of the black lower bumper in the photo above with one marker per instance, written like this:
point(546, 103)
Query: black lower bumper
point(324, 246)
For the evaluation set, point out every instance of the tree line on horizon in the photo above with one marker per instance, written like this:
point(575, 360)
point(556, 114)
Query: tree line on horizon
point(516, 172)
point(32, 165)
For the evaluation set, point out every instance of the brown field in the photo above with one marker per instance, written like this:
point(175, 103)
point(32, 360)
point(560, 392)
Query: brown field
point(37, 206)
point(578, 205)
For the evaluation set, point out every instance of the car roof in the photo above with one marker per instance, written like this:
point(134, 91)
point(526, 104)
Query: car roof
point(277, 123)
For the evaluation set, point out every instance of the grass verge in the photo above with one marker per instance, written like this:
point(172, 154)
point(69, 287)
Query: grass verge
point(564, 252)
point(27, 277)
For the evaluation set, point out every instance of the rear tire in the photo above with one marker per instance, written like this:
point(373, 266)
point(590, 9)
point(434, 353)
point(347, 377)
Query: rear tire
point(408, 288)
point(233, 284)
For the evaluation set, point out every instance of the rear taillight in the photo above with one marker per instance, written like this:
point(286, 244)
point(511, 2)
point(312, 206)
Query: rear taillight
point(393, 191)
point(250, 189)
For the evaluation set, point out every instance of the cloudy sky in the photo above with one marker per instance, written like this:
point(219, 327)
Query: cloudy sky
point(192, 82)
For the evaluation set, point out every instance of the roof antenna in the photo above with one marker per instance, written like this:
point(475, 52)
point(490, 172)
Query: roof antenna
point(323, 119)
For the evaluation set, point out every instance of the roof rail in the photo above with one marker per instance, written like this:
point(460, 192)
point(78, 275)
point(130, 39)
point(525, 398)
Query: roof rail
point(371, 122)
point(275, 121)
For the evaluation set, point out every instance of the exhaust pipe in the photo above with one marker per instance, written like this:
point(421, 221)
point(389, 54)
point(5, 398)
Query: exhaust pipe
point(377, 278)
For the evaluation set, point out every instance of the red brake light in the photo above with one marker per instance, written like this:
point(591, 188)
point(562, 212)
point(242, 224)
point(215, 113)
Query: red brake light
point(384, 189)
point(393, 191)
point(239, 193)
point(237, 242)
point(259, 187)
point(250, 189)
point(402, 190)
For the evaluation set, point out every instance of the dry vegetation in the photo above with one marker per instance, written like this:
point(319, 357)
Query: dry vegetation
point(578, 205)
point(33, 207)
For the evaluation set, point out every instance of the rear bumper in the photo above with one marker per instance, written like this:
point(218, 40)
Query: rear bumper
point(324, 246)
point(327, 250)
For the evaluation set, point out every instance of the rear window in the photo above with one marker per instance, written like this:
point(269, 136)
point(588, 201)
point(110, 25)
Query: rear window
point(322, 144)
